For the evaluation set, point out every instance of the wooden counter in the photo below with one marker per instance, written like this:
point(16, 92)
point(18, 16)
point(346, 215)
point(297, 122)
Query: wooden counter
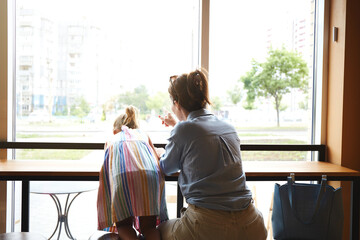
point(60, 170)
point(79, 168)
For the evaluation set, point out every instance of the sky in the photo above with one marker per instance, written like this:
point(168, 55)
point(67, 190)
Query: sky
point(148, 41)
point(232, 48)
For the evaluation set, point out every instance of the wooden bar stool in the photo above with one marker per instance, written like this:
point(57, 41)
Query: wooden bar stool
point(21, 236)
point(102, 235)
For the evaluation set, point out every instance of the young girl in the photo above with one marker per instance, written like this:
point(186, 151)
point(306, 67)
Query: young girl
point(131, 185)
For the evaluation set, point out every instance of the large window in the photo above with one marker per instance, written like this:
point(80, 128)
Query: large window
point(261, 71)
point(78, 63)
point(256, 51)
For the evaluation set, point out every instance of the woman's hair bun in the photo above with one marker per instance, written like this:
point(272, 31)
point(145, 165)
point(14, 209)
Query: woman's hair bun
point(197, 88)
point(190, 90)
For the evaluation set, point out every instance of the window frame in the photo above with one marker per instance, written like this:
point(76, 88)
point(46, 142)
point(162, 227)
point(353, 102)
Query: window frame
point(8, 83)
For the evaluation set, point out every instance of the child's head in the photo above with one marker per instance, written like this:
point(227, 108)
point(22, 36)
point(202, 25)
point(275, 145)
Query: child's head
point(129, 119)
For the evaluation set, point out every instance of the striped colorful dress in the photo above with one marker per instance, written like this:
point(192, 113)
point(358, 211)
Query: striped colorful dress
point(130, 181)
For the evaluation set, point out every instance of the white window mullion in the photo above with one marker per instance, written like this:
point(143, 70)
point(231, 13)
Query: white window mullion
point(320, 73)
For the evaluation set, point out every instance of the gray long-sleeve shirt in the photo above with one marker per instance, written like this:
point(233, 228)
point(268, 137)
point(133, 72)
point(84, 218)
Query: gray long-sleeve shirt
point(206, 150)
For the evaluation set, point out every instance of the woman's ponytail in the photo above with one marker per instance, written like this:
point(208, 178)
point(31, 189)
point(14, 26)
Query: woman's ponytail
point(197, 88)
point(190, 90)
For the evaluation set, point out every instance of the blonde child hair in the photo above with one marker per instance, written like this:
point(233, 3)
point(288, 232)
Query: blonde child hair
point(129, 119)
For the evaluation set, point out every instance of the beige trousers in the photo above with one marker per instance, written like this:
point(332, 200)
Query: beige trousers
point(201, 223)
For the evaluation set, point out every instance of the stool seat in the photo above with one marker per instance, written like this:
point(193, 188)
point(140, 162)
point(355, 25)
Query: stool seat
point(21, 236)
point(103, 235)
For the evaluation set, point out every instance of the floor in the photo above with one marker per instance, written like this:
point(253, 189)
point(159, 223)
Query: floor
point(82, 215)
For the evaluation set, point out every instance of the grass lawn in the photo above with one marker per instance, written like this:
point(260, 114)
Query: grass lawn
point(45, 154)
point(274, 155)
point(251, 135)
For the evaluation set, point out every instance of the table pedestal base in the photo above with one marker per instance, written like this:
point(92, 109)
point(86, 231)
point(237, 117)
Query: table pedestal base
point(63, 217)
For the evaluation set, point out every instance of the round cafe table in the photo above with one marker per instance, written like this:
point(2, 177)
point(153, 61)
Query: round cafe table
point(54, 188)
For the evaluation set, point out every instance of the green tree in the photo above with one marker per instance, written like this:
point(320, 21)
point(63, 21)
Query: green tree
point(109, 106)
point(216, 104)
point(158, 102)
point(80, 108)
point(282, 71)
point(304, 105)
point(250, 94)
point(235, 94)
point(60, 110)
point(137, 98)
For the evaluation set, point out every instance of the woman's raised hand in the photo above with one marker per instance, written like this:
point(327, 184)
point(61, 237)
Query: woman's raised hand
point(159, 152)
point(168, 120)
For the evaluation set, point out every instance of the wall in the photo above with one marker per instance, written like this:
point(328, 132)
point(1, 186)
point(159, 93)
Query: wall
point(343, 111)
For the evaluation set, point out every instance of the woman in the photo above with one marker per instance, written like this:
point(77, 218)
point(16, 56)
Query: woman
point(206, 151)
point(131, 185)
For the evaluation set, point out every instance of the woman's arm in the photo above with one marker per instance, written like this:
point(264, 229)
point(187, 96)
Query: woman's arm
point(170, 160)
